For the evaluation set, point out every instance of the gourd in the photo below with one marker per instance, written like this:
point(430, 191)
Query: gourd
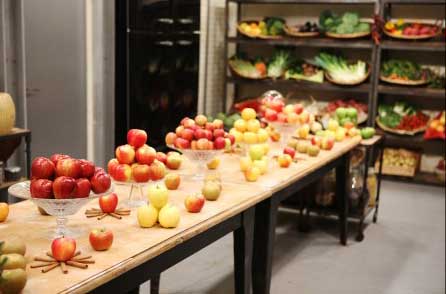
point(12, 266)
point(7, 113)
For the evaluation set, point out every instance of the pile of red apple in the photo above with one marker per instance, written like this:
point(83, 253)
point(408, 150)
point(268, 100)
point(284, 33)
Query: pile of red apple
point(63, 177)
point(275, 110)
point(137, 161)
point(200, 134)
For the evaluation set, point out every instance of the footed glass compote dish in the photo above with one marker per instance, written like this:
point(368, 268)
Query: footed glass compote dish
point(60, 208)
point(200, 158)
point(286, 131)
point(136, 195)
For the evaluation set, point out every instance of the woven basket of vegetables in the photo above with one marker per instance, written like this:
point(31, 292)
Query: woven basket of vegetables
point(268, 28)
point(247, 69)
point(404, 72)
point(345, 26)
point(7, 113)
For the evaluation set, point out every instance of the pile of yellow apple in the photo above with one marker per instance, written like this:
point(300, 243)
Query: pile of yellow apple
point(255, 163)
point(158, 209)
point(248, 129)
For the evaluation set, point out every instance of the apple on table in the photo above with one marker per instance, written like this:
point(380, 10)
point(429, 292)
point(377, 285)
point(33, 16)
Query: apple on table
point(101, 239)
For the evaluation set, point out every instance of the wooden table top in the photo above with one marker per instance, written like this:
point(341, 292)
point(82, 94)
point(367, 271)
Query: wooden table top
point(133, 245)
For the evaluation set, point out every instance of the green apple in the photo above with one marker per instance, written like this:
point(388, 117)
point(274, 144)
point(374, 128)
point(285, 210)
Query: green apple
point(352, 113)
point(341, 112)
point(256, 152)
point(158, 196)
point(367, 133)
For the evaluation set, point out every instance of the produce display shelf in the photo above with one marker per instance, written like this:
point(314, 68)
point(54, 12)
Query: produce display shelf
point(412, 91)
point(305, 42)
point(423, 178)
point(304, 1)
point(436, 146)
point(302, 85)
point(435, 45)
point(413, 2)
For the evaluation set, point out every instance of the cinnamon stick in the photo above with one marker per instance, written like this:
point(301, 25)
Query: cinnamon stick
point(102, 216)
point(63, 267)
point(81, 258)
point(84, 261)
point(77, 264)
point(93, 215)
point(36, 265)
point(50, 254)
point(115, 215)
point(44, 259)
point(50, 267)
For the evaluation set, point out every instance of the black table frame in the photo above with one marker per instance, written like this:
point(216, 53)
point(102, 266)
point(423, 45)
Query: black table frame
point(242, 226)
point(266, 219)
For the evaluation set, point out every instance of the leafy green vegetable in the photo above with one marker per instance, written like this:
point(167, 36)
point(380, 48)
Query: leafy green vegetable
point(350, 18)
point(402, 108)
point(388, 117)
point(338, 68)
point(403, 69)
point(278, 63)
point(274, 25)
point(244, 67)
point(348, 23)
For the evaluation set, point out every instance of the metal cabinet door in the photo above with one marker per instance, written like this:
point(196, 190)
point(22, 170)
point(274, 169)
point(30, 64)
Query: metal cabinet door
point(56, 77)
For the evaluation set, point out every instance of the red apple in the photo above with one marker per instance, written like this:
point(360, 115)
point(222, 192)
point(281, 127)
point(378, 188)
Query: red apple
point(219, 143)
point(56, 157)
point(270, 114)
point(82, 188)
point(182, 143)
point(100, 182)
point(122, 173)
point(316, 141)
point(178, 131)
point(281, 117)
point(187, 134)
point(172, 181)
point(201, 120)
point(219, 133)
point(157, 170)
point(108, 203)
point(290, 151)
point(87, 168)
point(41, 188)
point(112, 164)
point(231, 138)
point(209, 135)
point(63, 187)
point(98, 170)
point(42, 168)
point(194, 203)
point(218, 124)
point(101, 239)
point(161, 156)
point(210, 145)
point(209, 126)
point(173, 160)
point(136, 137)
point(170, 138)
point(298, 108)
point(183, 121)
point(193, 145)
point(189, 123)
point(327, 143)
point(125, 154)
point(141, 173)
point(202, 144)
point(199, 133)
point(63, 248)
point(68, 167)
point(277, 105)
point(145, 154)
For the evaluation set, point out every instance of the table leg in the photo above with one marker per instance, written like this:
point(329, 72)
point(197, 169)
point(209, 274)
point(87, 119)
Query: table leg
point(342, 197)
point(243, 251)
point(378, 189)
point(155, 284)
point(264, 232)
point(28, 155)
point(134, 291)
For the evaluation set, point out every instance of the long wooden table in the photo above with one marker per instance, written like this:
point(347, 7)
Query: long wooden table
point(140, 254)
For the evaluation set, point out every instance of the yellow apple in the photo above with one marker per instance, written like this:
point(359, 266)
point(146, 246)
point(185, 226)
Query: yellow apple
point(252, 174)
point(261, 165)
point(353, 132)
point(288, 109)
point(303, 131)
point(340, 134)
point(256, 151)
point(169, 216)
point(253, 125)
point(262, 135)
point(213, 164)
point(250, 137)
point(147, 216)
point(265, 148)
point(304, 117)
point(248, 113)
point(333, 125)
point(237, 135)
point(240, 125)
point(292, 117)
point(158, 196)
point(245, 163)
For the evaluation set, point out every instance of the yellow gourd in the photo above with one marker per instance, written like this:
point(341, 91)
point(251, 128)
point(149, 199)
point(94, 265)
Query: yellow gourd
point(7, 113)
point(12, 266)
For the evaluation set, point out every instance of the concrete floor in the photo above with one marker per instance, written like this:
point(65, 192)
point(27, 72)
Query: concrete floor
point(404, 253)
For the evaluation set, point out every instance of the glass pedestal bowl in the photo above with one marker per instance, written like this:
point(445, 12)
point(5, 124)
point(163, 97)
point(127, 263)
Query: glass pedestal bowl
point(60, 208)
point(200, 158)
point(136, 195)
point(286, 131)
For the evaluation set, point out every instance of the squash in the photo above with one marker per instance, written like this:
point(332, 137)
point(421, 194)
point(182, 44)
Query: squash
point(12, 245)
point(12, 281)
point(12, 266)
point(7, 113)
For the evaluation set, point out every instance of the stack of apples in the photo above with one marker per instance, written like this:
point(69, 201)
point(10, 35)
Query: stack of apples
point(158, 210)
point(275, 111)
point(200, 134)
point(256, 163)
point(248, 129)
point(137, 161)
point(64, 177)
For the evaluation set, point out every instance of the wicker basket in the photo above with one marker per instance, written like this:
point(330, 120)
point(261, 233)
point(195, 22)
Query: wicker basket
point(252, 35)
point(403, 82)
point(235, 73)
point(347, 36)
point(328, 77)
point(400, 132)
point(294, 33)
point(7, 113)
point(406, 37)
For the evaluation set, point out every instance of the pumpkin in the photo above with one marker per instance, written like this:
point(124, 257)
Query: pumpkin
point(12, 266)
point(7, 113)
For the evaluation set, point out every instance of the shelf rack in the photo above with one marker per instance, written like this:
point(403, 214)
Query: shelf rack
point(373, 88)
